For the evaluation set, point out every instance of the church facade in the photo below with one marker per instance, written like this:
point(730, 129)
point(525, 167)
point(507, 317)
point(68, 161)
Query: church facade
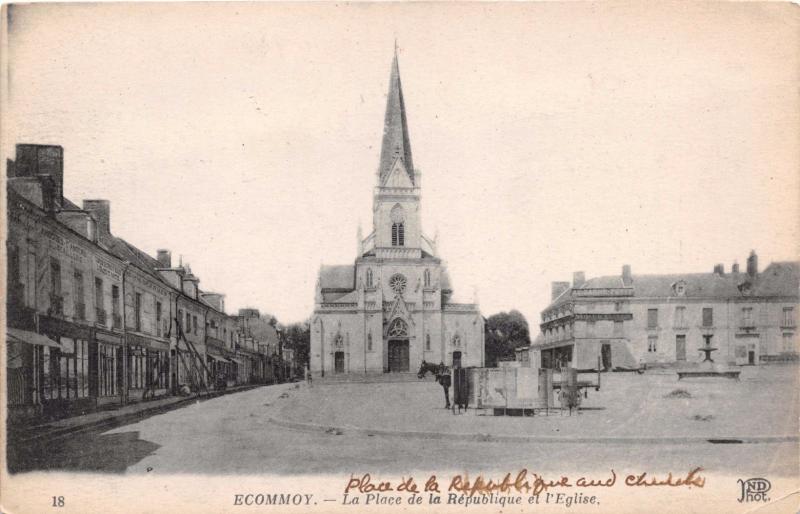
point(391, 309)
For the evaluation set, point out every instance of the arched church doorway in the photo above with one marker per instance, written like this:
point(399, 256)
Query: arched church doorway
point(398, 346)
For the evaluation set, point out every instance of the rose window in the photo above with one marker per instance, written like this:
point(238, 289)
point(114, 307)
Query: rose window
point(398, 283)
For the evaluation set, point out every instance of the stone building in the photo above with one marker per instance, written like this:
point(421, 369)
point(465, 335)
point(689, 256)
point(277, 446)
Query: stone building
point(628, 320)
point(393, 306)
point(91, 319)
point(258, 334)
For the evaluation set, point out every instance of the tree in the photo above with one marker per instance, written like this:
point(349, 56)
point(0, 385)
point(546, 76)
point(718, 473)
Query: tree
point(505, 331)
point(298, 337)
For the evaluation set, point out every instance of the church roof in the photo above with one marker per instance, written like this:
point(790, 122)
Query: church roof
point(337, 277)
point(396, 143)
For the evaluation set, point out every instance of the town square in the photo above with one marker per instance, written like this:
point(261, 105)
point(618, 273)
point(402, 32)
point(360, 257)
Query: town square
point(383, 261)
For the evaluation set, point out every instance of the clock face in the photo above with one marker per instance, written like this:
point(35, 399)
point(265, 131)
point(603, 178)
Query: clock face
point(398, 283)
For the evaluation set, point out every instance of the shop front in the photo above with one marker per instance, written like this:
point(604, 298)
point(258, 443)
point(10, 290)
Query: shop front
point(220, 367)
point(588, 354)
point(148, 367)
point(107, 366)
point(64, 378)
point(24, 350)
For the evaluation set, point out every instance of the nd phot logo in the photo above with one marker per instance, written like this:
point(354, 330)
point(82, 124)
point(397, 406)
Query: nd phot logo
point(754, 490)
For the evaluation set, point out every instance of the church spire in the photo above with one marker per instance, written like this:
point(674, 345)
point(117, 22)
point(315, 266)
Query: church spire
point(395, 127)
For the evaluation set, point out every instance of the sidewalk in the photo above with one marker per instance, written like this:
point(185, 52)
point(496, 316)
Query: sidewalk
point(26, 434)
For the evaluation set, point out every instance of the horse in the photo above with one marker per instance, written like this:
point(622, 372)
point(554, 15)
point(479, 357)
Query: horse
point(426, 367)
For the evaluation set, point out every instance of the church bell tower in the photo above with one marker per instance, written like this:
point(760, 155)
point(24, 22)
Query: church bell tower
point(396, 201)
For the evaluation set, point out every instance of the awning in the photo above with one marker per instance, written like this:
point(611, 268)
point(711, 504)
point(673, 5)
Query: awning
point(24, 336)
point(237, 361)
point(153, 344)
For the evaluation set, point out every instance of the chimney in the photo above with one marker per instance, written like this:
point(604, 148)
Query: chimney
point(735, 267)
point(38, 160)
point(164, 258)
point(216, 300)
point(578, 278)
point(557, 288)
point(627, 279)
point(752, 264)
point(91, 229)
point(101, 212)
point(719, 269)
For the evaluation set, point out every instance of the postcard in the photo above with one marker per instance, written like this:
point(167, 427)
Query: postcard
point(401, 257)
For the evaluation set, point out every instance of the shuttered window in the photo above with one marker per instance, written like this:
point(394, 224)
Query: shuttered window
point(652, 318)
point(708, 317)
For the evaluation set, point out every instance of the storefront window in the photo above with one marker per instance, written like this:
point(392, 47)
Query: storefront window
point(158, 368)
point(66, 371)
point(136, 368)
point(147, 368)
point(107, 364)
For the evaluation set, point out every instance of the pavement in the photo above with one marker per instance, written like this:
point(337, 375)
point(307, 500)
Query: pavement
point(27, 434)
point(650, 408)
point(234, 434)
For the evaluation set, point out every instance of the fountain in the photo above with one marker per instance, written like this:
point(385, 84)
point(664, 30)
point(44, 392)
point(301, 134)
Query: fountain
point(707, 367)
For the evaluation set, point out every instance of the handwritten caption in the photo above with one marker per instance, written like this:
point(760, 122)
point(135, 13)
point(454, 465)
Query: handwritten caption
point(524, 487)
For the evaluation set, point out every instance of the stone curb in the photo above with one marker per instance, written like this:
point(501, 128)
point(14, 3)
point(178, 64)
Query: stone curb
point(122, 419)
point(315, 427)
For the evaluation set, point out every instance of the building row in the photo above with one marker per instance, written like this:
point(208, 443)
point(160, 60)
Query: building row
point(628, 321)
point(92, 320)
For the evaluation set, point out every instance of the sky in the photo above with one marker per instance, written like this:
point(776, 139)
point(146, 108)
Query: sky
point(551, 137)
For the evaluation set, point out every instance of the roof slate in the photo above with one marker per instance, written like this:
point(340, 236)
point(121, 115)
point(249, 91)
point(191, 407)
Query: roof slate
point(779, 279)
point(337, 277)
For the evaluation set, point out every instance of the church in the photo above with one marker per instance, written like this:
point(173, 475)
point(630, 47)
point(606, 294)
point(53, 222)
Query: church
point(391, 309)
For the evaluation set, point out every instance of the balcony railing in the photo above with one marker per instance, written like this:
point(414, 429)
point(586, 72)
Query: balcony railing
point(100, 316)
point(462, 307)
point(56, 305)
point(397, 252)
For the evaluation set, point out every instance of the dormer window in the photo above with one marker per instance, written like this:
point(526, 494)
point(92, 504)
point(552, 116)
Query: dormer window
point(679, 288)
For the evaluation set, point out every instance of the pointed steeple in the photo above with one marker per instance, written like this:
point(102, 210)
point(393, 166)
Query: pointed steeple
point(395, 127)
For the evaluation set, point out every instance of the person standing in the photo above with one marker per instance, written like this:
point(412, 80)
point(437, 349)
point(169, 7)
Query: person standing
point(443, 376)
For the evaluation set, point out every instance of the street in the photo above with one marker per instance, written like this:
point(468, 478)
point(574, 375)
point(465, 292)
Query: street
point(233, 435)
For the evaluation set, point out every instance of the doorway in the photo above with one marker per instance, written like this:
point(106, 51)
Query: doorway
point(338, 362)
point(456, 360)
point(680, 348)
point(398, 356)
point(751, 357)
point(605, 356)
